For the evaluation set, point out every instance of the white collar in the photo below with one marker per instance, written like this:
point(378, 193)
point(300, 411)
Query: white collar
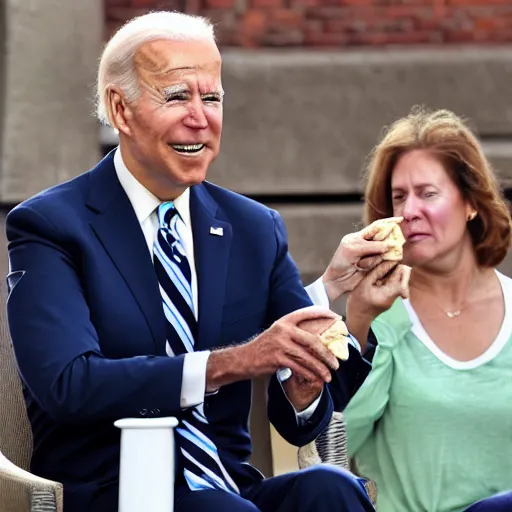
point(143, 201)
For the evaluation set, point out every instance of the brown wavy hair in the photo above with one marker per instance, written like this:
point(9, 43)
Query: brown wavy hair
point(449, 138)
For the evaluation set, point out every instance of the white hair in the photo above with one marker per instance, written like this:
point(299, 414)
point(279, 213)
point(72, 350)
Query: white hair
point(117, 63)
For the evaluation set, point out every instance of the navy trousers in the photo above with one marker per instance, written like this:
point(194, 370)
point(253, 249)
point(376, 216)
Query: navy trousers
point(320, 488)
point(499, 503)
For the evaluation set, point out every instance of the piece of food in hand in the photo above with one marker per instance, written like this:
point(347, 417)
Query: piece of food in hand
point(335, 338)
point(388, 230)
point(333, 333)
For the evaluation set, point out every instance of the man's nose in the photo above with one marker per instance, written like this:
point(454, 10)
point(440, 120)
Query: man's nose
point(196, 117)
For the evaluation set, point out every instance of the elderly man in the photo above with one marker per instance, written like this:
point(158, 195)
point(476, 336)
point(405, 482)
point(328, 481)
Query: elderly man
point(126, 282)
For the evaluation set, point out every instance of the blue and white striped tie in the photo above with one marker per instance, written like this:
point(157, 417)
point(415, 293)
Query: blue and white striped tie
point(203, 467)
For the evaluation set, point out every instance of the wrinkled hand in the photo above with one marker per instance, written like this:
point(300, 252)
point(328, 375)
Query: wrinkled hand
point(374, 295)
point(355, 255)
point(285, 345)
point(300, 390)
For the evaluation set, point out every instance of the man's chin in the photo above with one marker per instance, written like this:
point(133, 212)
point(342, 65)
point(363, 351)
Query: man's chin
point(187, 173)
point(189, 178)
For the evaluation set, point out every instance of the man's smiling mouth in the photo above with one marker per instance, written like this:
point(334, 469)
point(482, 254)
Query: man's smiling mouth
point(187, 149)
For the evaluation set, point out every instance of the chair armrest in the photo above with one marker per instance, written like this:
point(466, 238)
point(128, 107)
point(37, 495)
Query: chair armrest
point(146, 471)
point(21, 491)
point(329, 447)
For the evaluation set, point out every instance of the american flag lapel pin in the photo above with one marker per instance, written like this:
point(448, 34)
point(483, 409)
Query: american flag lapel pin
point(216, 231)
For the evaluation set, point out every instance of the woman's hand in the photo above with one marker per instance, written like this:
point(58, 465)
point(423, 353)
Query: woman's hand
point(356, 255)
point(374, 295)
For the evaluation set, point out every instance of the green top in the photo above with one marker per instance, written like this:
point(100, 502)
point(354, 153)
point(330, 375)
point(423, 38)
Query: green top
point(433, 433)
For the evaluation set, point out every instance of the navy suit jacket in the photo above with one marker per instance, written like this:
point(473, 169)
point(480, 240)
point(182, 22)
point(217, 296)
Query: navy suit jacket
point(88, 328)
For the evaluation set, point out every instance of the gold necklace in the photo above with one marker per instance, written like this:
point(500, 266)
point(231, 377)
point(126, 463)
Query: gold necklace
point(449, 314)
point(453, 314)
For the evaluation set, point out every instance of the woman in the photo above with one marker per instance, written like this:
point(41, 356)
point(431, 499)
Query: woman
point(432, 424)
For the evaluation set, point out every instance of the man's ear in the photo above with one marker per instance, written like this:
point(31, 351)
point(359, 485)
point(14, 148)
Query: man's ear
point(120, 111)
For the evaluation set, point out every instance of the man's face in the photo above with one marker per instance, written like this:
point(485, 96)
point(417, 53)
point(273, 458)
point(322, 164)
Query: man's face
point(175, 124)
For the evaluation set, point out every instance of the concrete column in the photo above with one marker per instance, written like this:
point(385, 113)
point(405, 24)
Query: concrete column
point(47, 130)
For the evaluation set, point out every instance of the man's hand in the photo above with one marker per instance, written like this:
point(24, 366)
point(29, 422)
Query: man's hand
point(374, 295)
point(302, 392)
point(355, 255)
point(283, 345)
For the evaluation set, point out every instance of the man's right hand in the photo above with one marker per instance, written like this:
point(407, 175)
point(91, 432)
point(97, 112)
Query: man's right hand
point(283, 345)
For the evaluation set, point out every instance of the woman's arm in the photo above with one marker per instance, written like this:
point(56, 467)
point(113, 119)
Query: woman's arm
point(370, 402)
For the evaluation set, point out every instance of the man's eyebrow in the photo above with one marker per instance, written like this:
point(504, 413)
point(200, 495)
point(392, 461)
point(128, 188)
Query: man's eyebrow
point(214, 90)
point(175, 89)
point(184, 88)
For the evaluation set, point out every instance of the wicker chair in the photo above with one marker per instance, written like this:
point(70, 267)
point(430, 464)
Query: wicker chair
point(330, 447)
point(20, 491)
point(147, 451)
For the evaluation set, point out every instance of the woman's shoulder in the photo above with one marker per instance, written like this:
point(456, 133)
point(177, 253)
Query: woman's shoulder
point(506, 290)
point(506, 282)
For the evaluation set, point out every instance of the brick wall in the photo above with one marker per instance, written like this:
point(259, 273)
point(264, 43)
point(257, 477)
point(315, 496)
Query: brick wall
point(256, 23)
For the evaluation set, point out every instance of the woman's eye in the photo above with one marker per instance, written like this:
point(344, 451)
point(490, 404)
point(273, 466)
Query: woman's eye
point(397, 198)
point(429, 194)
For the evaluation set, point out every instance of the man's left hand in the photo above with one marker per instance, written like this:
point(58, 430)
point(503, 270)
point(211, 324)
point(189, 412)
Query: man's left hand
point(302, 392)
point(355, 255)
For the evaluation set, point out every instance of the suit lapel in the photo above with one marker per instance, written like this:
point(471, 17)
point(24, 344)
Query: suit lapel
point(118, 230)
point(211, 254)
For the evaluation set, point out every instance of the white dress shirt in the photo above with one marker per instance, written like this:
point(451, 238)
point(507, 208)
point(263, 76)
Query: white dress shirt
point(145, 205)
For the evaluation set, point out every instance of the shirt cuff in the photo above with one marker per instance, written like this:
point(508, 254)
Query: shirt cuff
point(318, 294)
point(354, 342)
point(303, 416)
point(193, 382)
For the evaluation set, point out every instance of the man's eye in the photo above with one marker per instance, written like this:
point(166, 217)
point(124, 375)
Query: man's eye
point(211, 97)
point(180, 96)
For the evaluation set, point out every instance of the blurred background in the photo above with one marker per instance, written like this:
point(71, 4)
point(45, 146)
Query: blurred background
point(309, 86)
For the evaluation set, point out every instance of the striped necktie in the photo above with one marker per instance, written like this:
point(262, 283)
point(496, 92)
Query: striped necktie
point(202, 465)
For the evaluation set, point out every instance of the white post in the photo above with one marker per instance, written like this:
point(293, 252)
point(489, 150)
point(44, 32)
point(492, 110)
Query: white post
point(146, 474)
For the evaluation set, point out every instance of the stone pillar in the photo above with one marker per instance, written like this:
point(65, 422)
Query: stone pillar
point(47, 133)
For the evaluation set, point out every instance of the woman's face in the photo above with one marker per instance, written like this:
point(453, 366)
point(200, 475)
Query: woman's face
point(434, 212)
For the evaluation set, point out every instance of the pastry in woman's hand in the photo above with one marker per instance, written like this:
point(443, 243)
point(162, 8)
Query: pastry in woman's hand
point(387, 230)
